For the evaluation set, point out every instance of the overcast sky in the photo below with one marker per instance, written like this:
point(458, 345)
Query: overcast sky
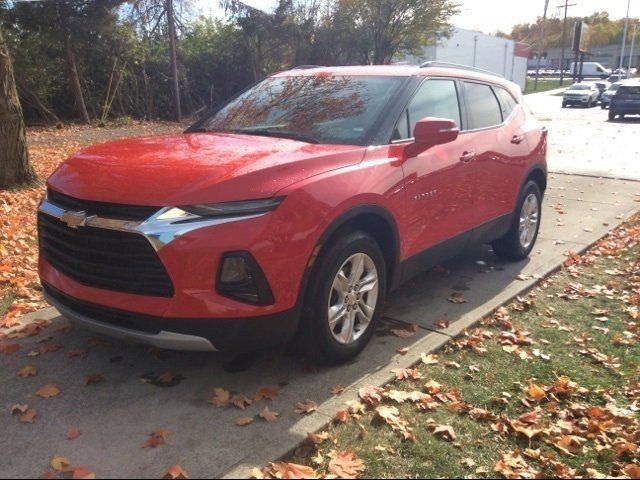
point(491, 15)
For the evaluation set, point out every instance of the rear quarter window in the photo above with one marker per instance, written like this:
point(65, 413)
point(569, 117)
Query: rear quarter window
point(507, 102)
point(483, 108)
point(629, 91)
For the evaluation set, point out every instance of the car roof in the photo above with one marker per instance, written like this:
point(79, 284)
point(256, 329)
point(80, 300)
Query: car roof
point(404, 71)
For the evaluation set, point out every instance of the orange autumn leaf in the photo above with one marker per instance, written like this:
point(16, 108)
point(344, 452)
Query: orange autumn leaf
point(346, 465)
point(73, 433)
point(156, 439)
point(82, 473)
point(93, 379)
point(291, 471)
point(536, 393)
point(244, 421)
point(61, 464)
point(267, 394)
point(175, 472)
point(48, 391)
point(29, 416)
point(28, 371)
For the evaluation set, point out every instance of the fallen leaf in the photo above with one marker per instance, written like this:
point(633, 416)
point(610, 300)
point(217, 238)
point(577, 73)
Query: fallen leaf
point(346, 465)
point(269, 415)
point(306, 407)
point(29, 416)
point(73, 433)
point(156, 439)
point(48, 391)
point(28, 371)
point(221, 397)
point(244, 421)
point(61, 464)
point(175, 472)
point(93, 379)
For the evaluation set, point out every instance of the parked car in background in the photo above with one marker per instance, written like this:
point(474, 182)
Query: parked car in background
point(292, 209)
point(606, 96)
point(618, 77)
point(626, 101)
point(582, 94)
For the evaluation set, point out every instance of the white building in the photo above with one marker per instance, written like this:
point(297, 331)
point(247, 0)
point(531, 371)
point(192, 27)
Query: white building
point(475, 49)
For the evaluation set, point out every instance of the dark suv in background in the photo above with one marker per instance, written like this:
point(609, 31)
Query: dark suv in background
point(625, 102)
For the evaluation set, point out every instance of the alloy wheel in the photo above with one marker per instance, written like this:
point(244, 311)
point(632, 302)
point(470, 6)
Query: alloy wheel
point(529, 218)
point(353, 298)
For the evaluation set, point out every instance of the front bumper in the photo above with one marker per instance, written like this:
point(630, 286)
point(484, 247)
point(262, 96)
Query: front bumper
point(198, 335)
point(575, 101)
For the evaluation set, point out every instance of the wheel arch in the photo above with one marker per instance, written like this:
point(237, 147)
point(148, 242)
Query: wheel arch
point(538, 174)
point(373, 220)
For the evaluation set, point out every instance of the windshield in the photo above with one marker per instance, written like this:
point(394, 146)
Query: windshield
point(580, 87)
point(614, 87)
point(321, 108)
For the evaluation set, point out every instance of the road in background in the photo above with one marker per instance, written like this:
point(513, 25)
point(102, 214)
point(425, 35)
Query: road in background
point(583, 141)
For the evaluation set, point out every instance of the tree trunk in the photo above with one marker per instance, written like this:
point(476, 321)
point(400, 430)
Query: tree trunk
point(174, 64)
point(72, 69)
point(74, 79)
point(15, 169)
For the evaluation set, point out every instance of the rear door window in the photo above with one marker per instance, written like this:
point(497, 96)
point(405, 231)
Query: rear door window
point(483, 108)
point(434, 98)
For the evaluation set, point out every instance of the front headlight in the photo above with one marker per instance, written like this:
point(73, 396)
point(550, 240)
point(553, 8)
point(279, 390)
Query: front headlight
point(227, 209)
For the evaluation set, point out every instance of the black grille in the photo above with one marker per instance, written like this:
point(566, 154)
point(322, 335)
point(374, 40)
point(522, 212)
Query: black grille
point(108, 259)
point(102, 209)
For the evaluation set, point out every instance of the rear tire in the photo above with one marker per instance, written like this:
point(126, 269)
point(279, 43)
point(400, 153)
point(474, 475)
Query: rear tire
point(354, 301)
point(523, 233)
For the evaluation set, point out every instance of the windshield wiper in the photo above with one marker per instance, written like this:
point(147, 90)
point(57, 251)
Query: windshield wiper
point(267, 132)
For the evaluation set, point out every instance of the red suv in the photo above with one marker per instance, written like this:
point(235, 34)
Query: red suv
point(293, 209)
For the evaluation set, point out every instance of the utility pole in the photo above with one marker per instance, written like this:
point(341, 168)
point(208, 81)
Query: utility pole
point(564, 37)
point(633, 44)
point(544, 21)
point(174, 64)
point(624, 37)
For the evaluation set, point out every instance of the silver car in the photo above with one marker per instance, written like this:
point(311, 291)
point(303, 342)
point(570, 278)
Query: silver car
point(584, 94)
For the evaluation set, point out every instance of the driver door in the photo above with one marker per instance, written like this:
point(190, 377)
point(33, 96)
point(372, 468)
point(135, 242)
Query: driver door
point(439, 194)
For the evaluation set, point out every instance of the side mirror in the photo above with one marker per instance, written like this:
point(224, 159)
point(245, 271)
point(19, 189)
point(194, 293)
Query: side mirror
point(430, 132)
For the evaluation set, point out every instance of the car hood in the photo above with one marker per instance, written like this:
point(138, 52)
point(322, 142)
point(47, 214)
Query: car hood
point(194, 168)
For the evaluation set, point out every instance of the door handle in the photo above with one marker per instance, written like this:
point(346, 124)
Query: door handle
point(468, 157)
point(517, 139)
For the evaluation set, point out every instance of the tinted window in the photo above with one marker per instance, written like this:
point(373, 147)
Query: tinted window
point(628, 91)
point(326, 108)
point(434, 98)
point(507, 102)
point(482, 106)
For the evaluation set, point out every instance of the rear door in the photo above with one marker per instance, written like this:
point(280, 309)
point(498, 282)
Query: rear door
point(501, 150)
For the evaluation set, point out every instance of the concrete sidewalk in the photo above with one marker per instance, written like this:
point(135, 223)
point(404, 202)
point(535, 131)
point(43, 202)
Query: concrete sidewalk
point(117, 415)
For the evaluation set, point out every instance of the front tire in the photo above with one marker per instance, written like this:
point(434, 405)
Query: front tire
point(612, 115)
point(523, 233)
point(344, 301)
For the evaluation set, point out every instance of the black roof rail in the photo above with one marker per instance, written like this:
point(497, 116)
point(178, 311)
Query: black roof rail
point(457, 65)
point(306, 67)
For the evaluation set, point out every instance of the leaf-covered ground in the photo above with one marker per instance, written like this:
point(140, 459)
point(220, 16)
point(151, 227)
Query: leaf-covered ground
point(549, 386)
point(48, 147)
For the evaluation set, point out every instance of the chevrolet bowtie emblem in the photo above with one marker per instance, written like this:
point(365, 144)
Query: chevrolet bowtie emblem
point(74, 219)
